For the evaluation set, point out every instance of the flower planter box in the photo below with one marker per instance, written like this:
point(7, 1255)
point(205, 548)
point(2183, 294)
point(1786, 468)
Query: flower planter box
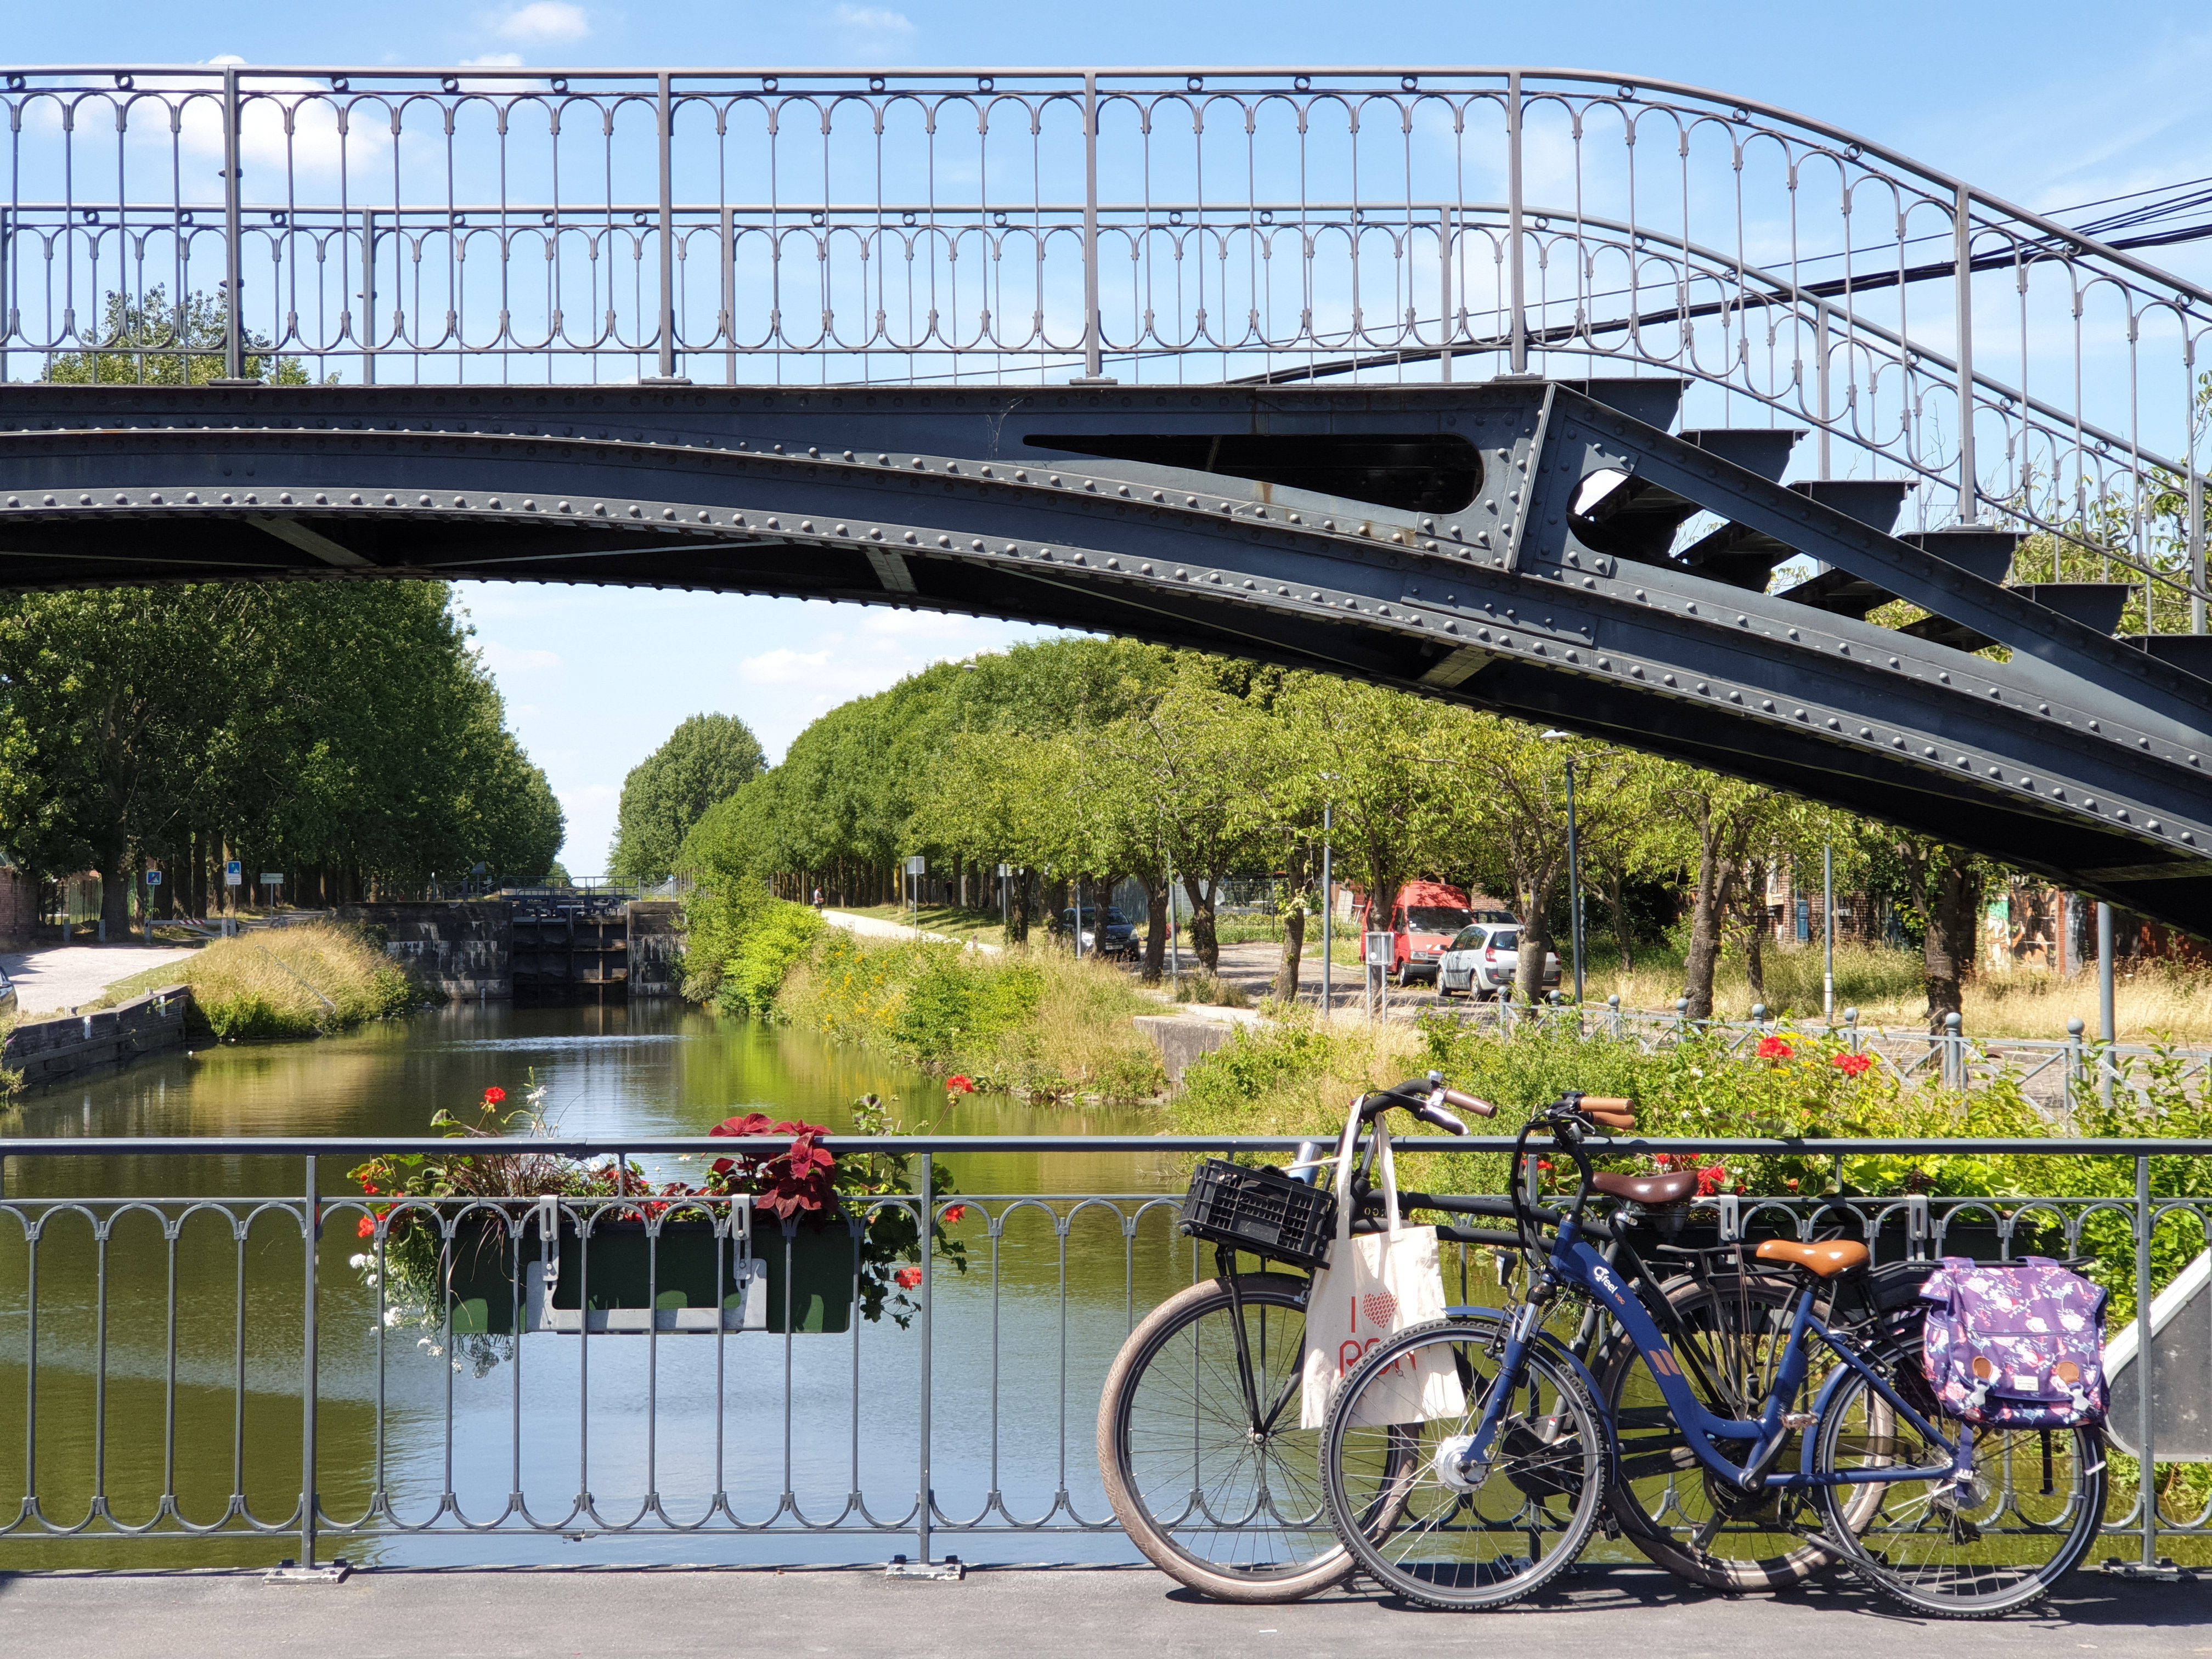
point(618, 1279)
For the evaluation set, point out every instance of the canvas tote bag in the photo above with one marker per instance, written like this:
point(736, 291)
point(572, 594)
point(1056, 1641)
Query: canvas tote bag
point(1376, 1283)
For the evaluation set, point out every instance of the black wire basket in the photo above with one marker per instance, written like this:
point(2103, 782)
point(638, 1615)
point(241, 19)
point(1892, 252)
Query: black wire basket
point(1262, 1211)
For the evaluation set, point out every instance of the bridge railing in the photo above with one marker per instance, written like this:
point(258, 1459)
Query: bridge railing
point(172, 1358)
point(1153, 228)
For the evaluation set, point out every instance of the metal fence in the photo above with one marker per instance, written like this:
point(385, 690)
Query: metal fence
point(181, 1368)
point(1142, 226)
point(2059, 1073)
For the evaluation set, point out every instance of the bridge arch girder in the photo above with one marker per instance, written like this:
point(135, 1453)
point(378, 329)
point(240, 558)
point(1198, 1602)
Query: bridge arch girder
point(2079, 757)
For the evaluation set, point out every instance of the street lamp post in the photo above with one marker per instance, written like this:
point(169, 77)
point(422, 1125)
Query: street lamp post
point(1327, 908)
point(1574, 862)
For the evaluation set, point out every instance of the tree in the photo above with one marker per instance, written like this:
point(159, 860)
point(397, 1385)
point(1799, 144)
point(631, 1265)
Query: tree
point(706, 760)
point(1940, 888)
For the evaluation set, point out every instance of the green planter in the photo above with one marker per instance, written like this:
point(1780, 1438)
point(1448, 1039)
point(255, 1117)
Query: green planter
point(818, 1273)
point(691, 1270)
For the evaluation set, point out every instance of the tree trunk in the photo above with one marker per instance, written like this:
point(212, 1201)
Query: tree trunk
point(1020, 887)
point(1705, 928)
point(1954, 904)
point(1755, 916)
point(1536, 945)
point(1155, 930)
point(1294, 945)
point(1616, 903)
point(115, 893)
point(1203, 944)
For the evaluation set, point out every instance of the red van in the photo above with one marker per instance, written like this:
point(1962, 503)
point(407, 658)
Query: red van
point(1427, 916)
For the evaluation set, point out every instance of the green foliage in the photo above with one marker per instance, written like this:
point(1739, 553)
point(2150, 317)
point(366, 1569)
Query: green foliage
point(960, 1002)
point(706, 760)
point(292, 982)
point(345, 725)
point(741, 942)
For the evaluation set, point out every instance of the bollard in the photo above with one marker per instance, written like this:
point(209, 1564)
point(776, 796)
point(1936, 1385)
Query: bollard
point(1759, 1013)
point(1954, 1054)
point(2074, 1029)
point(1681, 1015)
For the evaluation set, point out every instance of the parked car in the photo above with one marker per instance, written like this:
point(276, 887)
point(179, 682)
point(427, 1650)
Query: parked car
point(1117, 938)
point(1426, 918)
point(1483, 960)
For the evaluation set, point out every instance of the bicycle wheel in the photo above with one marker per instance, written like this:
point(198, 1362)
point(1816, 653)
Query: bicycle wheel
point(1963, 1549)
point(1232, 1511)
point(1448, 1542)
point(1698, 1524)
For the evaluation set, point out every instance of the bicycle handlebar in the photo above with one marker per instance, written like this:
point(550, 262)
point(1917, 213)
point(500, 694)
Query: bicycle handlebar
point(1426, 1099)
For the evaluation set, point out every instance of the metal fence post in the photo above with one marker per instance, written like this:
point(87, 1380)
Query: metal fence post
point(308, 1367)
point(2146, 1357)
point(1445, 330)
point(2074, 1029)
point(368, 295)
point(1962, 229)
point(1954, 1054)
point(928, 1217)
point(1093, 345)
point(233, 339)
point(1519, 278)
point(666, 114)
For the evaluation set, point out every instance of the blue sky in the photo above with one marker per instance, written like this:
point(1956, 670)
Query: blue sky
point(2049, 106)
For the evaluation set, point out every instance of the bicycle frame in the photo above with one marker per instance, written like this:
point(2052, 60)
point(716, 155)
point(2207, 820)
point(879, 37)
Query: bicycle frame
point(1571, 1262)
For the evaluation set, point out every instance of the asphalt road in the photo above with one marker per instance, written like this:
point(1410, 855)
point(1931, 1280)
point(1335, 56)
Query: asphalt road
point(466, 1614)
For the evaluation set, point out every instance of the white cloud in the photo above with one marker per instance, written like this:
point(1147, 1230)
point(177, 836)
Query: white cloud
point(783, 666)
point(542, 22)
point(517, 659)
point(872, 28)
point(494, 60)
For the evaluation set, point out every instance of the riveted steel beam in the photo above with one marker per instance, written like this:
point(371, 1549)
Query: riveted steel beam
point(2038, 760)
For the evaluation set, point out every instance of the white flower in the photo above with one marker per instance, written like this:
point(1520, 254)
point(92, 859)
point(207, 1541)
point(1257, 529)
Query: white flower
point(391, 1317)
point(358, 1262)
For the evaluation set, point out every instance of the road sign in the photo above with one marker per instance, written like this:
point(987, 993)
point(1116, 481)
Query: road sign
point(917, 865)
point(272, 878)
point(233, 875)
point(153, 878)
point(1006, 869)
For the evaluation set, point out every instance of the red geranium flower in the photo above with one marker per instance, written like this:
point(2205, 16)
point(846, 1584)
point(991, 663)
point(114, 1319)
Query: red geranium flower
point(959, 1085)
point(1852, 1065)
point(1774, 1047)
point(494, 1094)
point(956, 1214)
point(1710, 1179)
point(368, 1228)
point(909, 1278)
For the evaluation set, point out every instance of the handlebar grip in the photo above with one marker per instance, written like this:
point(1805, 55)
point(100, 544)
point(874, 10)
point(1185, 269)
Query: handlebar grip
point(1468, 1103)
point(1611, 1113)
point(1608, 1103)
point(1443, 1119)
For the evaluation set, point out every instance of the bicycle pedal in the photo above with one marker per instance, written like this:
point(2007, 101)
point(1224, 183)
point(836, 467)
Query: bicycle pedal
point(1800, 1420)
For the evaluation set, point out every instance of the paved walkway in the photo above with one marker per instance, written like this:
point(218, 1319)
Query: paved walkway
point(57, 977)
point(1018, 1614)
point(877, 927)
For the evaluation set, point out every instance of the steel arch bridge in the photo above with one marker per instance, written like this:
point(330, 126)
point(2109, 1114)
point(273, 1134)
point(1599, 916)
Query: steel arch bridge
point(1453, 385)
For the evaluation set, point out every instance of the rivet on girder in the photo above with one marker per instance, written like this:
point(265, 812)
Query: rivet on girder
point(1767, 704)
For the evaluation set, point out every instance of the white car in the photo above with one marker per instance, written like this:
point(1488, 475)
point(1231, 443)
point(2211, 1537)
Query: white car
point(1482, 961)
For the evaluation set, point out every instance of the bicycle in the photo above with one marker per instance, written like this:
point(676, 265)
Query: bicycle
point(1198, 1438)
point(1485, 1508)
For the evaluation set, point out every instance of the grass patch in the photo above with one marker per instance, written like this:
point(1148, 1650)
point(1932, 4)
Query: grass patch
point(285, 982)
point(946, 920)
point(1034, 1022)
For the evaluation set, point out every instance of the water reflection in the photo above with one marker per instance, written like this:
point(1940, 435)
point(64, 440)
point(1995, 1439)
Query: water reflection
point(832, 1420)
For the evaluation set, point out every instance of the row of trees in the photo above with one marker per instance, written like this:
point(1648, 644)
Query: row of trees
point(1114, 760)
point(345, 733)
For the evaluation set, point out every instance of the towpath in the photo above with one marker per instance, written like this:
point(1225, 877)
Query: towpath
point(55, 978)
point(1018, 1614)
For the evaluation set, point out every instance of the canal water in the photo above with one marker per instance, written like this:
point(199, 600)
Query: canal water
point(815, 1426)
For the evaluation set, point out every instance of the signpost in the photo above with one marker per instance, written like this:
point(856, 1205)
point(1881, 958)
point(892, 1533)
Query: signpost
point(153, 881)
point(917, 866)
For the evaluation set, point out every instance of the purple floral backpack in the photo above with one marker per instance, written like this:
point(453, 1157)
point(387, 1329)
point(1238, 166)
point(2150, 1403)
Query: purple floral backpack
point(2014, 1344)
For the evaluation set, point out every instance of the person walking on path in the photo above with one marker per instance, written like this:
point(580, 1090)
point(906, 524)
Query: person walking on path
point(818, 898)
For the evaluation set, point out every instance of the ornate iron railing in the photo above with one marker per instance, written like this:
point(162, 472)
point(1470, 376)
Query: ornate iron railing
point(918, 228)
point(172, 1358)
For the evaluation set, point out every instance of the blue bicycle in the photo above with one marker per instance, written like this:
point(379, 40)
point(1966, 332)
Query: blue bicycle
point(1485, 1508)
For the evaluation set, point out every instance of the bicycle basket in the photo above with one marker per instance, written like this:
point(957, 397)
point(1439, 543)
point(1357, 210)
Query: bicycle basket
point(1262, 1211)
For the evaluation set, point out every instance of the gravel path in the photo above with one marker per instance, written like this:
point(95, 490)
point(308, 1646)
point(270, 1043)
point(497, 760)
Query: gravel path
point(55, 979)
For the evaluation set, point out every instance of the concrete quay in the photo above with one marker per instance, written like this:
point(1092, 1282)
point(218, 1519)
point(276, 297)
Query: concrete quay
point(1003, 1613)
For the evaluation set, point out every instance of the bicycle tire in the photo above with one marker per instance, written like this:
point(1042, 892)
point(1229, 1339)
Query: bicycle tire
point(1712, 1535)
point(1946, 1553)
point(1164, 1506)
point(1549, 1474)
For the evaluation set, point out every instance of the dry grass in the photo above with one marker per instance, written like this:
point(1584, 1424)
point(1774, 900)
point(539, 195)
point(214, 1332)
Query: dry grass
point(1294, 1075)
point(285, 982)
point(944, 920)
point(2163, 1001)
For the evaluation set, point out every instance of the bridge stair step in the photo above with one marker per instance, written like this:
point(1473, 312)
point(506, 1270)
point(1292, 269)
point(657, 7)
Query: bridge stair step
point(2093, 605)
point(2190, 653)
point(1984, 553)
point(1636, 519)
point(1745, 557)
